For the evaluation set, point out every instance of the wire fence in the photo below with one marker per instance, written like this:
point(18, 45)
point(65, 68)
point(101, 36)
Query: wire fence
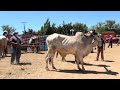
point(30, 48)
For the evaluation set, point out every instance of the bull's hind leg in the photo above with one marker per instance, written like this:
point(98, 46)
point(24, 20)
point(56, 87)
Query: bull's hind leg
point(47, 69)
point(82, 63)
point(52, 57)
point(46, 59)
point(49, 57)
point(63, 56)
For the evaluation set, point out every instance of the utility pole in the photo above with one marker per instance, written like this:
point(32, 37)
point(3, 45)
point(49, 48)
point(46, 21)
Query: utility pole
point(24, 25)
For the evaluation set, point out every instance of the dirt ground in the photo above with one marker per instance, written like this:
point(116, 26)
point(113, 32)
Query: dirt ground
point(33, 67)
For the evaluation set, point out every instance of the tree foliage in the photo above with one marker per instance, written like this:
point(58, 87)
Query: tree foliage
point(108, 25)
point(65, 28)
point(9, 29)
point(29, 31)
point(48, 29)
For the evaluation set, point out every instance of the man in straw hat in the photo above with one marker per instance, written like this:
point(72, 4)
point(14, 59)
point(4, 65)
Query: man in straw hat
point(15, 48)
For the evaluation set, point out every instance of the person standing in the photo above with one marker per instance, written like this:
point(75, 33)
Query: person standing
point(5, 33)
point(15, 48)
point(100, 48)
point(37, 45)
point(110, 41)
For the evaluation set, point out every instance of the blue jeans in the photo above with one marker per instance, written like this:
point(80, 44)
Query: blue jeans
point(15, 52)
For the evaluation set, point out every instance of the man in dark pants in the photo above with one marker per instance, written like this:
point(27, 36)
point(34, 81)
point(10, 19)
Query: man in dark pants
point(110, 41)
point(15, 48)
point(100, 49)
point(37, 45)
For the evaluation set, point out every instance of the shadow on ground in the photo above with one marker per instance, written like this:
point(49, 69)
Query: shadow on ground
point(89, 72)
point(25, 64)
point(109, 61)
point(88, 64)
point(40, 53)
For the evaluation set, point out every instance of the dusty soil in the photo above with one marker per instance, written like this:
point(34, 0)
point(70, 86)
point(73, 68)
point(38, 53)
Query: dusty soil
point(33, 67)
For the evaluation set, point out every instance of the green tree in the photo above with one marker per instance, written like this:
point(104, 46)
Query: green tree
point(101, 27)
point(47, 29)
point(24, 32)
point(108, 25)
point(9, 29)
point(80, 27)
point(53, 28)
point(60, 30)
point(29, 31)
point(41, 31)
point(66, 28)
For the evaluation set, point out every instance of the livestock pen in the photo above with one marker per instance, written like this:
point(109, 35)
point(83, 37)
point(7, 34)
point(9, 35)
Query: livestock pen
point(26, 46)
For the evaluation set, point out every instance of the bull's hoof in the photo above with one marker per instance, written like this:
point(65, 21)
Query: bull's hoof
point(54, 68)
point(57, 70)
point(83, 69)
point(47, 69)
point(3, 56)
point(79, 69)
point(64, 60)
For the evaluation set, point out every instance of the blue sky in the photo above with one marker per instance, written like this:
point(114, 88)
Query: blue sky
point(36, 19)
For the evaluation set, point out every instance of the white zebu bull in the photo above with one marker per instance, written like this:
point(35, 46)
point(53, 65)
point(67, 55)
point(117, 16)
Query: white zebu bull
point(3, 45)
point(63, 55)
point(79, 45)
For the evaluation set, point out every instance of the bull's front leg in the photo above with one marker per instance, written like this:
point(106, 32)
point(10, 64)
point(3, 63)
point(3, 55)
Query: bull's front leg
point(77, 62)
point(75, 59)
point(63, 56)
point(82, 63)
point(63, 59)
